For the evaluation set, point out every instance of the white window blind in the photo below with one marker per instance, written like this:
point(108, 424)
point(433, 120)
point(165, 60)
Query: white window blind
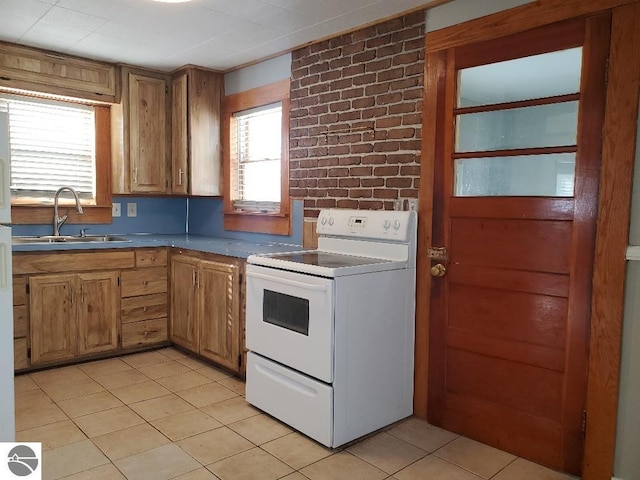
point(52, 144)
point(257, 156)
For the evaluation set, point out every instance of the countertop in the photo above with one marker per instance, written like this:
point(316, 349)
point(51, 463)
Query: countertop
point(221, 246)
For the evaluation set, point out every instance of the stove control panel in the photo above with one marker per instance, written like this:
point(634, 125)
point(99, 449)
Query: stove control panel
point(374, 224)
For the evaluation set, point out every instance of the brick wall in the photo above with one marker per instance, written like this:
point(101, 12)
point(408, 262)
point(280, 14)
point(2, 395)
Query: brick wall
point(356, 117)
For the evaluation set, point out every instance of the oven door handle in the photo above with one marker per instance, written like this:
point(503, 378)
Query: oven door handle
point(291, 283)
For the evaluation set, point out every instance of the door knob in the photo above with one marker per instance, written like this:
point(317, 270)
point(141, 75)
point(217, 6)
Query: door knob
point(438, 270)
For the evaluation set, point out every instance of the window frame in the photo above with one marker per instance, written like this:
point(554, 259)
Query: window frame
point(27, 212)
point(278, 223)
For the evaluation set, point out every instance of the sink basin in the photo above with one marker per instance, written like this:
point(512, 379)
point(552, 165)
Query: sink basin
point(67, 239)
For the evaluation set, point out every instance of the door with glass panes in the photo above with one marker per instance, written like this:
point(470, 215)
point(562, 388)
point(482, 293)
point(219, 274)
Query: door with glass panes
point(515, 202)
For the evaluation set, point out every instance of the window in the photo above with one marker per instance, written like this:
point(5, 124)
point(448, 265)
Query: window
point(57, 142)
point(52, 144)
point(256, 160)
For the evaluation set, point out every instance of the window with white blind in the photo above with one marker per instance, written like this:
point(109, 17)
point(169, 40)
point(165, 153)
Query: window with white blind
point(52, 144)
point(256, 157)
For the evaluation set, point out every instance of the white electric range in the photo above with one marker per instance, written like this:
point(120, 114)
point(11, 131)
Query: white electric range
point(331, 331)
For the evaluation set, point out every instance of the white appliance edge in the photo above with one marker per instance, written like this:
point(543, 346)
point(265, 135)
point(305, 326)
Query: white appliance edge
point(7, 412)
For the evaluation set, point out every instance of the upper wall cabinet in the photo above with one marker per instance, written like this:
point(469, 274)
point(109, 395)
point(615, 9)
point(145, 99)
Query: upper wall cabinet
point(195, 129)
point(29, 68)
point(140, 143)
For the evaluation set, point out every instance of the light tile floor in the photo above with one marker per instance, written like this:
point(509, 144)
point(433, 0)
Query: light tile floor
point(165, 415)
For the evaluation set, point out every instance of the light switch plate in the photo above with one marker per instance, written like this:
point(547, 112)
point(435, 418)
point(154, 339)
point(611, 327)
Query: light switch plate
point(116, 209)
point(132, 209)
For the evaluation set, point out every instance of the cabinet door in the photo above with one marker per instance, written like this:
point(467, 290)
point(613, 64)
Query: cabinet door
point(184, 311)
point(179, 135)
point(219, 290)
point(147, 141)
point(53, 318)
point(99, 307)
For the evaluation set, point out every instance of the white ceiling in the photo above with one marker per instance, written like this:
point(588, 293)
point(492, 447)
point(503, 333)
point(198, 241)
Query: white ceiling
point(218, 34)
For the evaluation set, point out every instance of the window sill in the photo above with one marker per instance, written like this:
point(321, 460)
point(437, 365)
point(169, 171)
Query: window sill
point(37, 214)
point(257, 222)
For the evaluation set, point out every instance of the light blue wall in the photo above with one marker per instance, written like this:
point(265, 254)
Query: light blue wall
point(206, 217)
point(155, 215)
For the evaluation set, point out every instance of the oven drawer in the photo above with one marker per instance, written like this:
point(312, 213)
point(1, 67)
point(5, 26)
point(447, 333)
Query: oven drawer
point(297, 400)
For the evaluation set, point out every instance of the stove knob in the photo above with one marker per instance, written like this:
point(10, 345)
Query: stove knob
point(386, 224)
point(396, 224)
point(323, 220)
point(330, 220)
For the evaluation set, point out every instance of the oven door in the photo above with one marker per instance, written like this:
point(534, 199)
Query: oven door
point(290, 319)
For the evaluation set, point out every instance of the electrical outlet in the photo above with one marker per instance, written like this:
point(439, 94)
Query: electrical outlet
point(132, 209)
point(412, 204)
point(116, 209)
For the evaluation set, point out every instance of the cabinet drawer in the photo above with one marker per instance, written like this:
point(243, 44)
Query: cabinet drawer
point(151, 258)
point(142, 333)
point(144, 307)
point(144, 281)
point(20, 320)
point(20, 359)
point(19, 290)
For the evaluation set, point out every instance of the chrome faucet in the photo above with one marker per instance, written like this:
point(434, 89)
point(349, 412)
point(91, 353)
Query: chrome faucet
point(57, 220)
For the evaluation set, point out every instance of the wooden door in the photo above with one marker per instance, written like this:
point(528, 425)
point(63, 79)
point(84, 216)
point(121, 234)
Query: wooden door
point(147, 134)
point(99, 308)
point(219, 290)
point(509, 320)
point(184, 306)
point(53, 318)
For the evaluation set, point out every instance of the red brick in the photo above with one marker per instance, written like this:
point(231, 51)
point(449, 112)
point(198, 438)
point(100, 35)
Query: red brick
point(388, 122)
point(328, 119)
point(308, 163)
point(372, 182)
point(383, 64)
point(378, 41)
point(347, 204)
point(399, 182)
point(411, 145)
point(388, 98)
point(319, 46)
point(310, 100)
point(353, 70)
point(387, 146)
point(403, 157)
point(417, 69)
point(365, 56)
point(374, 159)
point(392, 74)
point(298, 192)
point(328, 182)
point(318, 172)
point(339, 150)
point(363, 103)
point(318, 109)
point(349, 160)
point(352, 92)
point(349, 116)
point(362, 148)
point(374, 112)
point(412, 119)
point(329, 54)
point(361, 171)
point(386, 171)
point(319, 152)
point(297, 73)
point(398, 133)
point(330, 75)
point(364, 33)
point(302, 153)
point(340, 41)
point(308, 183)
point(406, 83)
point(329, 97)
point(364, 79)
point(353, 48)
point(341, 84)
point(409, 170)
point(410, 193)
point(360, 193)
point(317, 192)
point(349, 182)
point(414, 44)
point(349, 138)
point(309, 80)
point(299, 93)
point(308, 142)
point(306, 121)
point(391, 25)
point(339, 172)
point(319, 68)
point(309, 202)
point(377, 88)
point(339, 62)
point(299, 112)
point(407, 107)
point(408, 34)
point(380, 135)
point(385, 193)
point(326, 203)
point(370, 205)
point(338, 192)
point(392, 49)
point(340, 106)
point(311, 213)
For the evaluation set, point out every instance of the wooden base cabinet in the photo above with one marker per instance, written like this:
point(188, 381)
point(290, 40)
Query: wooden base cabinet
point(205, 306)
point(73, 315)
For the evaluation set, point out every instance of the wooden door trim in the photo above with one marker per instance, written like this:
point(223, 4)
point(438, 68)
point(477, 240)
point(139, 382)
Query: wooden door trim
point(516, 20)
point(619, 143)
point(616, 181)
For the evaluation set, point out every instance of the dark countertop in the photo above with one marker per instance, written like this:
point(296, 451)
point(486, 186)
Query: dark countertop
point(221, 246)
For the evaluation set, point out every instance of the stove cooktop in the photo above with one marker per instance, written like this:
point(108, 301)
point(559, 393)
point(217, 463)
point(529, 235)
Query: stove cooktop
point(326, 259)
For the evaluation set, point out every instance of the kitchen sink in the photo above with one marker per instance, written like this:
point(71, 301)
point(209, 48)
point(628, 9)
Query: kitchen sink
point(67, 239)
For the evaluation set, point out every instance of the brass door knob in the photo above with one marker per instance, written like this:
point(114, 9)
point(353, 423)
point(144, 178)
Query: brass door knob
point(438, 270)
